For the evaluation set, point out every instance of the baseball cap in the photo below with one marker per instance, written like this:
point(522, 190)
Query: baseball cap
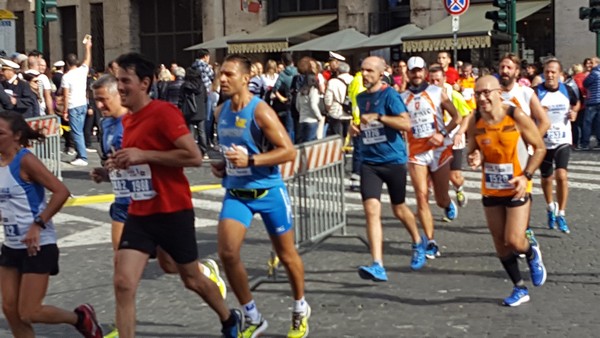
point(334, 55)
point(60, 63)
point(32, 72)
point(415, 62)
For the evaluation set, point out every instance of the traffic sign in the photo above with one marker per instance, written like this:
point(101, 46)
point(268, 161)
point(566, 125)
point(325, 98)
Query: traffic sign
point(455, 23)
point(456, 7)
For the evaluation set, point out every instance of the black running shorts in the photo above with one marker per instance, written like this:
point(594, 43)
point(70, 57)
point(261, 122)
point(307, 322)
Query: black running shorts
point(45, 262)
point(491, 201)
point(558, 156)
point(372, 177)
point(173, 232)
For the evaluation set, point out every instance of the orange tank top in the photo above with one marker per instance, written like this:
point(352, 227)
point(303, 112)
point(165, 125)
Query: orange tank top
point(504, 155)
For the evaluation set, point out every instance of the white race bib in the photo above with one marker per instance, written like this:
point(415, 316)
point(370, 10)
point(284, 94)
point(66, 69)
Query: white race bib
point(11, 228)
point(498, 175)
point(373, 132)
point(139, 182)
point(423, 125)
point(118, 178)
point(231, 169)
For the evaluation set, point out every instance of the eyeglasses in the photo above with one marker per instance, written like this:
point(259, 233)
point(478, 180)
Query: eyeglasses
point(485, 92)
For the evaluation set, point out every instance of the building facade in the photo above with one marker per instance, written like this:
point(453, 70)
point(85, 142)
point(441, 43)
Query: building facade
point(161, 29)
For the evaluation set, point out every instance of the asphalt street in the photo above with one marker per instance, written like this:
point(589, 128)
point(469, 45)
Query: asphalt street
point(456, 295)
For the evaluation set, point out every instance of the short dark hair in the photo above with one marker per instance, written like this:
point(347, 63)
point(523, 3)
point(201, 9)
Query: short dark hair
point(243, 60)
point(435, 69)
point(203, 52)
point(286, 59)
point(35, 53)
point(71, 60)
point(142, 66)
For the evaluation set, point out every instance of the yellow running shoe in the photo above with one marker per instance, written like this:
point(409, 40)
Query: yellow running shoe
point(299, 328)
point(113, 334)
point(253, 330)
point(214, 276)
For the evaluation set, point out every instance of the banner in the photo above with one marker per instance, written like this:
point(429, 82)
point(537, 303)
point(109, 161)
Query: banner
point(251, 6)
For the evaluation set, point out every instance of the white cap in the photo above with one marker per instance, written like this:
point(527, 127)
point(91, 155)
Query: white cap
point(60, 63)
point(32, 72)
point(333, 55)
point(415, 62)
point(9, 64)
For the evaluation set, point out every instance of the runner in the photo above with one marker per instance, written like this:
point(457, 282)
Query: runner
point(108, 102)
point(29, 255)
point(429, 148)
point(562, 106)
point(157, 145)
point(383, 116)
point(254, 143)
point(457, 135)
point(498, 139)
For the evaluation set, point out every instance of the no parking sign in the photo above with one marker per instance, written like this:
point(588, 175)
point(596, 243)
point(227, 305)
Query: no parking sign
point(456, 7)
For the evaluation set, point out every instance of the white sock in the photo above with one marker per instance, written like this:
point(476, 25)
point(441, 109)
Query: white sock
point(251, 311)
point(205, 270)
point(561, 213)
point(551, 206)
point(301, 305)
point(377, 261)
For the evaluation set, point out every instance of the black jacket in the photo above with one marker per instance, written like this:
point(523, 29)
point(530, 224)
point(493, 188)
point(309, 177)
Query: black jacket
point(27, 103)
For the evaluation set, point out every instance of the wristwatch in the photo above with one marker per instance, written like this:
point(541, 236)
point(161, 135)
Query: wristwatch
point(40, 222)
point(444, 132)
point(251, 160)
point(379, 117)
point(528, 175)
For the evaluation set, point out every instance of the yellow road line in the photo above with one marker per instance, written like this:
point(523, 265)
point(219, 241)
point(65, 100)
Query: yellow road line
point(106, 198)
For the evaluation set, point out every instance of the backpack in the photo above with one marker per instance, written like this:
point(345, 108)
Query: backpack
point(346, 102)
point(193, 105)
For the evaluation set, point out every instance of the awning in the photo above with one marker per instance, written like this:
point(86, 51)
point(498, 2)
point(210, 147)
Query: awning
point(276, 36)
point(220, 42)
point(387, 39)
point(335, 41)
point(475, 30)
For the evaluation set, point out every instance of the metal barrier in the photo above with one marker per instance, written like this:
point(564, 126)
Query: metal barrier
point(315, 182)
point(48, 151)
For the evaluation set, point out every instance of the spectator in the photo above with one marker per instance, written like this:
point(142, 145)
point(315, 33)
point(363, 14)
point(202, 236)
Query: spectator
point(205, 69)
point(23, 99)
point(174, 87)
point(194, 93)
point(307, 104)
point(282, 91)
point(580, 72)
point(270, 76)
point(335, 100)
point(592, 103)
point(255, 86)
point(44, 87)
point(444, 59)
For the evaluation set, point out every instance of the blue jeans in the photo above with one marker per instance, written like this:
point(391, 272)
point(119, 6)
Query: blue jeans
point(591, 121)
point(308, 131)
point(76, 122)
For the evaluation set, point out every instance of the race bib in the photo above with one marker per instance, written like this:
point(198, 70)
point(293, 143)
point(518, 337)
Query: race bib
point(118, 178)
point(11, 228)
point(231, 169)
point(373, 132)
point(468, 93)
point(498, 175)
point(555, 136)
point(423, 124)
point(139, 182)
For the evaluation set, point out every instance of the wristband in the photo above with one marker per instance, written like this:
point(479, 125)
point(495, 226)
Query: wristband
point(379, 117)
point(251, 160)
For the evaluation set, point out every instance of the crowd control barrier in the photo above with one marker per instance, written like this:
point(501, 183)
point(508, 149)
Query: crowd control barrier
point(315, 182)
point(48, 151)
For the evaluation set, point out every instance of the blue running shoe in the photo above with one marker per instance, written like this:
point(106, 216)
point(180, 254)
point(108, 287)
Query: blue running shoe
point(375, 272)
point(432, 250)
point(552, 215)
point(451, 212)
point(517, 297)
point(536, 267)
point(562, 224)
point(531, 237)
point(418, 255)
point(235, 330)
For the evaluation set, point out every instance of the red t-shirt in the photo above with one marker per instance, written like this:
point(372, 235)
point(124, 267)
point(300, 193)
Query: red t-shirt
point(156, 127)
point(452, 75)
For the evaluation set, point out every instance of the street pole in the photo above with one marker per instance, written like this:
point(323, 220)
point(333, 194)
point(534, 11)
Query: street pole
point(39, 26)
point(513, 27)
point(455, 28)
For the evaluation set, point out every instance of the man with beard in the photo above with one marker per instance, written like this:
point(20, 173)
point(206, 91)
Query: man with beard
point(521, 97)
point(430, 148)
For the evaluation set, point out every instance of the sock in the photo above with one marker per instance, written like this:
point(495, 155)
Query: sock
point(561, 213)
point(230, 321)
point(300, 305)
point(205, 270)
point(251, 311)
point(79, 318)
point(431, 241)
point(529, 253)
point(378, 262)
point(511, 266)
point(551, 206)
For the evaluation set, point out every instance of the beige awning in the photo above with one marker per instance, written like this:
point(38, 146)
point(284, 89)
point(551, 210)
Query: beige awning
point(475, 30)
point(390, 38)
point(276, 36)
point(217, 43)
point(335, 41)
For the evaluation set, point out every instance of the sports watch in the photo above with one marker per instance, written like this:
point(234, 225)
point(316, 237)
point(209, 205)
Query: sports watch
point(40, 222)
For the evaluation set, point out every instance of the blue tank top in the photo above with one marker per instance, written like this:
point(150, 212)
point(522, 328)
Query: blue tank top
point(112, 137)
point(20, 203)
point(240, 128)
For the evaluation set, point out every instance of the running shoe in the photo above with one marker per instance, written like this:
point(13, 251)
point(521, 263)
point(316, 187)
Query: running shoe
point(432, 251)
point(113, 334)
point(517, 297)
point(462, 199)
point(375, 272)
point(562, 224)
point(235, 330)
point(531, 237)
point(552, 211)
point(451, 212)
point(215, 277)
point(418, 259)
point(299, 328)
point(87, 324)
point(251, 329)
point(536, 267)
